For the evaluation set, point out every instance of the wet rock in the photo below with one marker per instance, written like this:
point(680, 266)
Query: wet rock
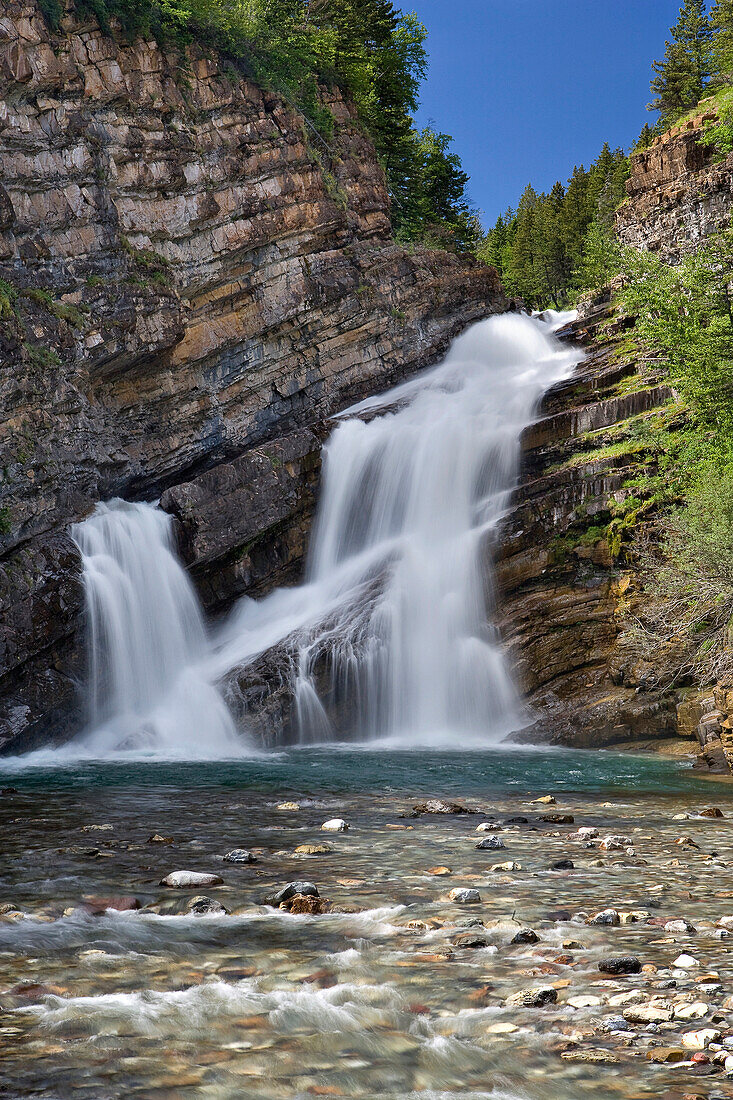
point(8, 790)
point(694, 1011)
point(239, 855)
point(562, 865)
point(490, 844)
point(620, 964)
point(614, 843)
point(288, 806)
point(307, 889)
point(685, 962)
point(587, 833)
point(517, 820)
point(335, 825)
point(489, 827)
point(439, 871)
point(606, 916)
point(560, 915)
point(558, 819)
point(533, 998)
point(203, 906)
point(546, 800)
point(663, 1055)
point(183, 880)
point(306, 904)
point(97, 828)
point(469, 939)
point(711, 811)
point(700, 1040)
point(156, 838)
point(682, 926)
point(437, 806)
point(98, 906)
point(587, 1000)
point(648, 1014)
point(525, 935)
point(592, 1057)
point(313, 849)
point(464, 896)
point(509, 866)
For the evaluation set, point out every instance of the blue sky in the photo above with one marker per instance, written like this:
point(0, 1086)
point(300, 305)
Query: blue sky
point(528, 88)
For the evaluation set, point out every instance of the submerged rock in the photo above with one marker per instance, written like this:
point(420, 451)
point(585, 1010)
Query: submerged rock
point(206, 906)
point(469, 939)
point(183, 880)
point(156, 838)
point(288, 806)
point(240, 855)
point(620, 964)
point(438, 806)
point(558, 819)
point(313, 850)
point(306, 904)
point(533, 998)
point(562, 865)
point(98, 906)
point(525, 935)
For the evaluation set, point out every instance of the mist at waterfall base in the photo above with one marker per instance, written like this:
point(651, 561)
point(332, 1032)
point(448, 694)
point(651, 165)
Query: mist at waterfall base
point(392, 626)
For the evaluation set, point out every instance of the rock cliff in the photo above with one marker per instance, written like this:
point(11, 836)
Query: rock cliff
point(679, 192)
point(192, 281)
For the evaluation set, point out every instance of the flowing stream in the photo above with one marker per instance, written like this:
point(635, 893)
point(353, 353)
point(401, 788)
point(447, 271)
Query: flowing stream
point(391, 630)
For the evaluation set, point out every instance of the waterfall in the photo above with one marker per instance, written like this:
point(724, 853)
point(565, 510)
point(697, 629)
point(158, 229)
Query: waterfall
point(390, 636)
point(147, 689)
point(392, 631)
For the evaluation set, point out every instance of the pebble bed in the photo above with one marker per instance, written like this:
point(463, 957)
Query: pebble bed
point(586, 951)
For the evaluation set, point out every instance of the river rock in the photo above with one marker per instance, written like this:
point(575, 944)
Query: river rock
point(685, 962)
point(648, 1014)
point(525, 935)
point(587, 833)
point(517, 820)
point(464, 896)
point(307, 889)
point(558, 819)
point(606, 916)
point(614, 843)
point(121, 904)
point(546, 800)
point(335, 825)
point(562, 865)
point(680, 926)
point(156, 838)
point(306, 905)
point(183, 880)
point(203, 906)
point(439, 871)
point(711, 811)
point(313, 849)
point(510, 865)
point(240, 855)
point(490, 844)
point(533, 998)
point(469, 939)
point(694, 1011)
point(620, 964)
point(288, 806)
point(438, 806)
point(700, 1040)
point(489, 827)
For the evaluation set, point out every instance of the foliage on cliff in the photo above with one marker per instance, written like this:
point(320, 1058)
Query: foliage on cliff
point(545, 249)
point(367, 47)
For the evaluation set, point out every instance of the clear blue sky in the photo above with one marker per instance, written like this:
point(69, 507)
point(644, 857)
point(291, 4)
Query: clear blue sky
point(528, 88)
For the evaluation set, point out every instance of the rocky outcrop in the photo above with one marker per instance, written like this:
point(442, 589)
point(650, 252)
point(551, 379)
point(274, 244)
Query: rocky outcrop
point(679, 192)
point(566, 583)
point(192, 282)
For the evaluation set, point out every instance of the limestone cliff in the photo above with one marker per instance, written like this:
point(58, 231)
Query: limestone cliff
point(192, 281)
point(680, 192)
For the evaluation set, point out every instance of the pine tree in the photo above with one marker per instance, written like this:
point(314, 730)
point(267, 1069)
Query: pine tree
point(685, 70)
point(721, 21)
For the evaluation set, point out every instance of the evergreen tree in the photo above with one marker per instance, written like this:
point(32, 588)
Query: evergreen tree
point(721, 21)
point(683, 74)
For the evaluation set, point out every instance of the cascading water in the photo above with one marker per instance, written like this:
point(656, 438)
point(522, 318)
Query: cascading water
point(392, 633)
point(147, 691)
point(390, 636)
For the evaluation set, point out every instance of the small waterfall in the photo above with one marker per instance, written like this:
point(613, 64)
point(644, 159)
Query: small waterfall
point(147, 643)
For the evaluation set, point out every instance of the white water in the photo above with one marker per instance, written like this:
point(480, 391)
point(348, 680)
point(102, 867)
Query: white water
point(392, 628)
point(147, 641)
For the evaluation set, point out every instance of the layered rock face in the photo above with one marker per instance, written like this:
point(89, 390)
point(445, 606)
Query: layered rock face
point(565, 586)
point(193, 281)
point(679, 193)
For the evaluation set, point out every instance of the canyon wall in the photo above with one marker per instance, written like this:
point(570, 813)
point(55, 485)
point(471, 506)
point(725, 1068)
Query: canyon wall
point(192, 281)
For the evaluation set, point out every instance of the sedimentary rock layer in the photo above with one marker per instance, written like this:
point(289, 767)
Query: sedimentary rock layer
point(189, 272)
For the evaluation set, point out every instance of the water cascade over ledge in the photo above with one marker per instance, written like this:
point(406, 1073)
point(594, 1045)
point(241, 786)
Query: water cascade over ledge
point(390, 636)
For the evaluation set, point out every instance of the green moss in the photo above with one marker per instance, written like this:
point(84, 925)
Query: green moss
point(40, 356)
point(5, 521)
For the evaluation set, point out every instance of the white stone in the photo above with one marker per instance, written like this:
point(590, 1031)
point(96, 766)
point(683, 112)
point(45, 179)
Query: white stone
point(685, 962)
point(464, 896)
point(699, 1040)
point(588, 1001)
point(335, 825)
point(488, 827)
point(586, 833)
point(182, 879)
point(692, 1011)
point(506, 866)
